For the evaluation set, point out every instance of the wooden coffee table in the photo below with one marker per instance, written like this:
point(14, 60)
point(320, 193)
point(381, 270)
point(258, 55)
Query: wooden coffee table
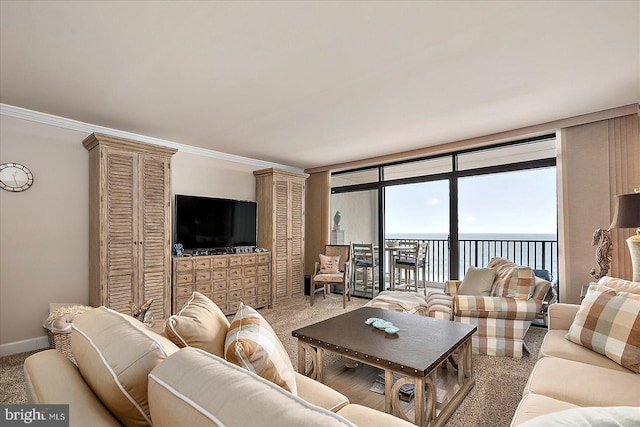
point(417, 351)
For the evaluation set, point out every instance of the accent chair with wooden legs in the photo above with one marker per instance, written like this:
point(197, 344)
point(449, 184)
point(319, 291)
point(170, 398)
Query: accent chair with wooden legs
point(332, 269)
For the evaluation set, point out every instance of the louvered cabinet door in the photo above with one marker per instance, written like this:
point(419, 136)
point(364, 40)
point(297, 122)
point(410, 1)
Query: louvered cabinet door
point(281, 249)
point(120, 229)
point(296, 235)
point(154, 260)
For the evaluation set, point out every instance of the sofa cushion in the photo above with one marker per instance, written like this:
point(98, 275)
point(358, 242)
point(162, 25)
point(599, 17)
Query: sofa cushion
point(555, 344)
point(329, 264)
point(195, 388)
point(252, 344)
point(534, 405)
point(608, 323)
point(620, 284)
point(582, 384)
point(593, 416)
point(512, 280)
point(477, 281)
point(115, 353)
point(200, 323)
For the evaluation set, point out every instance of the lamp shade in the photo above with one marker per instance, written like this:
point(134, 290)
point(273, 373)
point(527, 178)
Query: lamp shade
point(627, 211)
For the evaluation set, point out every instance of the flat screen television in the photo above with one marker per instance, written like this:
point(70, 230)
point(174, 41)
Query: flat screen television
point(210, 223)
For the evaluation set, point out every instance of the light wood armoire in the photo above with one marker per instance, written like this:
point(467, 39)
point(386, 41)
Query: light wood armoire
point(281, 202)
point(129, 224)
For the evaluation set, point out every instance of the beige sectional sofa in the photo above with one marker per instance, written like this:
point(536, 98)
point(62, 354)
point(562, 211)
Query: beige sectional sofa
point(128, 375)
point(569, 376)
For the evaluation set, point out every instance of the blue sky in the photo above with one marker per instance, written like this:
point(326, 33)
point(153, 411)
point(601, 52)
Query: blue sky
point(511, 202)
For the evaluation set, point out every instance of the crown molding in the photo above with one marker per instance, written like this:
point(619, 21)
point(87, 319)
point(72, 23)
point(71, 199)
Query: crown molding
point(65, 123)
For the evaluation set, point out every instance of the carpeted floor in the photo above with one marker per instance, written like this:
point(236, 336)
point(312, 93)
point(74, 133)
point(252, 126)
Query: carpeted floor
point(491, 403)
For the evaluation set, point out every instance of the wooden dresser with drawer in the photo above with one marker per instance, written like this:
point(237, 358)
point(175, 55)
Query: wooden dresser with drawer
point(226, 279)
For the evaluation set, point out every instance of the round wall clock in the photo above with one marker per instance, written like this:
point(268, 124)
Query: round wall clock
point(15, 177)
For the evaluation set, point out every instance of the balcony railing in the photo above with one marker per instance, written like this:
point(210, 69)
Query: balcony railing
point(537, 254)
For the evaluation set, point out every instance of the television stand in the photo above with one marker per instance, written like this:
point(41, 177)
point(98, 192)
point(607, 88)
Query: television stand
point(226, 279)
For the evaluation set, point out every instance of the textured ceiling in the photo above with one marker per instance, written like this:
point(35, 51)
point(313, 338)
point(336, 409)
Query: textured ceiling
point(314, 83)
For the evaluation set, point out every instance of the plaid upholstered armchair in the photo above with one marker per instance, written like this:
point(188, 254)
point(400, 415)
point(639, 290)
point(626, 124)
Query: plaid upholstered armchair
point(502, 314)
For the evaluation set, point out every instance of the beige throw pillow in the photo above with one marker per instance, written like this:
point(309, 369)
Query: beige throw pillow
point(253, 345)
point(199, 324)
point(115, 354)
point(608, 322)
point(329, 264)
point(477, 281)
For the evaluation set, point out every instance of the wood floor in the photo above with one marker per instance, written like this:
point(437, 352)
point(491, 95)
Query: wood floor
point(356, 382)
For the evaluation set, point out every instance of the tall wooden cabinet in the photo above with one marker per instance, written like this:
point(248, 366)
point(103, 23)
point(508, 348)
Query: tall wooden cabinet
point(281, 202)
point(129, 223)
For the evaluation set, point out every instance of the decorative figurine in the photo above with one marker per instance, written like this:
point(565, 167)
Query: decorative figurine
point(602, 238)
point(141, 312)
point(336, 220)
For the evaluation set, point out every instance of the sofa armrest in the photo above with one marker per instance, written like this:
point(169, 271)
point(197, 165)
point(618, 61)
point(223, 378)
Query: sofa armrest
point(495, 307)
point(541, 288)
point(319, 394)
point(51, 378)
point(363, 416)
point(561, 315)
point(451, 287)
point(440, 306)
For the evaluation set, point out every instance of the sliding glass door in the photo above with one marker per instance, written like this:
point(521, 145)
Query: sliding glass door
point(420, 211)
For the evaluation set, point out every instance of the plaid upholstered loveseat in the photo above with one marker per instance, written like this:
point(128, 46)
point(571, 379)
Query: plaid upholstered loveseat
point(504, 316)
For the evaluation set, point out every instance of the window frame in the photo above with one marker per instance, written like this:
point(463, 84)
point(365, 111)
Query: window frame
point(453, 176)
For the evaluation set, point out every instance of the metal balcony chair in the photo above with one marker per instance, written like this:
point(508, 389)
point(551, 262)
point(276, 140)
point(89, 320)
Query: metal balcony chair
point(363, 260)
point(410, 260)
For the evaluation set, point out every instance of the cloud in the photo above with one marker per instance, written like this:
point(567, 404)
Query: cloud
point(470, 218)
point(432, 202)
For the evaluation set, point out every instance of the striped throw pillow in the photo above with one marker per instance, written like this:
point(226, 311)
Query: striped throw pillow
point(253, 345)
point(608, 322)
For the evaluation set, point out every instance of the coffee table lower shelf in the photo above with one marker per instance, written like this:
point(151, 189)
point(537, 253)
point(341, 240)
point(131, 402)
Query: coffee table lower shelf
point(436, 395)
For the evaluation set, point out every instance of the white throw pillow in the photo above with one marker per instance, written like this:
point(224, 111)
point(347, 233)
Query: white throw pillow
point(477, 281)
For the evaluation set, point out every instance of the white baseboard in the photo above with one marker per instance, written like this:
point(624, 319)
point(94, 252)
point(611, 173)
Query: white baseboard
point(24, 345)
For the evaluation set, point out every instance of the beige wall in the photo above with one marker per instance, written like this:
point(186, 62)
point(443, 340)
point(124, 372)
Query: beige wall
point(359, 213)
point(206, 176)
point(596, 161)
point(44, 230)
